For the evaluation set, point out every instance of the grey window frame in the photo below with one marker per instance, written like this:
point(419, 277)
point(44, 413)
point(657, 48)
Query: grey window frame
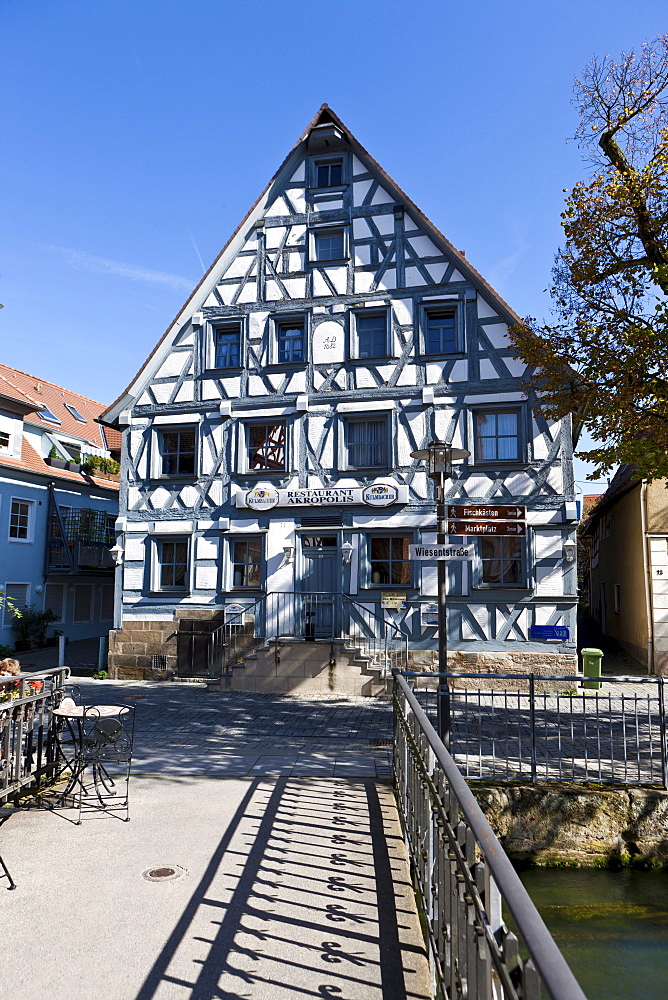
point(316, 161)
point(358, 314)
point(477, 582)
point(162, 429)
point(156, 581)
point(322, 230)
point(364, 418)
point(283, 320)
point(456, 306)
point(232, 541)
point(245, 427)
point(367, 574)
point(218, 326)
point(4, 445)
point(483, 408)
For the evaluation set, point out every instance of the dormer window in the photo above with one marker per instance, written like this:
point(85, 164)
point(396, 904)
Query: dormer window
point(47, 416)
point(328, 173)
point(4, 441)
point(75, 413)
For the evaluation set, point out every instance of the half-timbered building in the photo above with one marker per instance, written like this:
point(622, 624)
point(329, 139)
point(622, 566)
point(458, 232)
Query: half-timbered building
point(268, 489)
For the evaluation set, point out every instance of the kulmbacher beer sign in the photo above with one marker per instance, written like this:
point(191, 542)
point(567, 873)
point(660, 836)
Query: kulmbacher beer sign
point(265, 496)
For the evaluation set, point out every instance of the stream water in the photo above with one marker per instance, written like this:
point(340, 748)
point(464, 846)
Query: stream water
point(612, 928)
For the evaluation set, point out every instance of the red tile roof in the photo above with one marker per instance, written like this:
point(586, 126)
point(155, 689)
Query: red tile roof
point(32, 389)
point(30, 461)
point(29, 389)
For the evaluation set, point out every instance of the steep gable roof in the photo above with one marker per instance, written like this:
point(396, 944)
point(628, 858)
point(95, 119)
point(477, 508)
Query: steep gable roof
point(325, 116)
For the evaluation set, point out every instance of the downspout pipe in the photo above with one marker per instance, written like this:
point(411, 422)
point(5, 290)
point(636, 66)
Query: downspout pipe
point(648, 582)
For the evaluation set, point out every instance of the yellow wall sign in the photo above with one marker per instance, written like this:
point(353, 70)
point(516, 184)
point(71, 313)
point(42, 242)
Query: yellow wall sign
point(393, 601)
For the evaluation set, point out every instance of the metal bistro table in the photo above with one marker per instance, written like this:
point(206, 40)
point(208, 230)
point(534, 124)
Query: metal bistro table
point(97, 736)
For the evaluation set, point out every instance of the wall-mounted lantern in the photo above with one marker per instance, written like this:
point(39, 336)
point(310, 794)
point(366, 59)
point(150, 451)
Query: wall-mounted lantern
point(570, 551)
point(289, 552)
point(116, 552)
point(346, 553)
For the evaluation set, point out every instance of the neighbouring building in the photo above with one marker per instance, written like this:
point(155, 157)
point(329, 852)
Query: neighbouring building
point(628, 567)
point(56, 520)
point(268, 489)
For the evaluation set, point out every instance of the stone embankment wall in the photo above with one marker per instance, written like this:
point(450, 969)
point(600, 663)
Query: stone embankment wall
point(566, 824)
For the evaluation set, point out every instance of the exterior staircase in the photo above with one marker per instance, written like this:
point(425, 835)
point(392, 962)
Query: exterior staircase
point(308, 668)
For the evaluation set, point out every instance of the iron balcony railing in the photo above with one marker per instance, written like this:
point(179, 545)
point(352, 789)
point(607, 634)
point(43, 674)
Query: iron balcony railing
point(27, 737)
point(525, 727)
point(465, 880)
point(335, 618)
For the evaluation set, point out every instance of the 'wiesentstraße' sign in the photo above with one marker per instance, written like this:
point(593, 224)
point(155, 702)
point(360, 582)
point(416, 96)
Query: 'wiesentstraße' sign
point(453, 553)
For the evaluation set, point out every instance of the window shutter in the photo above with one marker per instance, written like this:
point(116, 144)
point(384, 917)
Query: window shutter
point(17, 594)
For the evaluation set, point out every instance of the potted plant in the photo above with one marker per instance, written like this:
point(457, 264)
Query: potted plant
point(102, 468)
point(53, 459)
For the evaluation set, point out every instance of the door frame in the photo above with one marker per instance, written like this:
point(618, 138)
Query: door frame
point(300, 570)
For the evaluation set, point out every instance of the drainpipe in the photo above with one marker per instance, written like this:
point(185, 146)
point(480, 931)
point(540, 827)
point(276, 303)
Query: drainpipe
point(648, 582)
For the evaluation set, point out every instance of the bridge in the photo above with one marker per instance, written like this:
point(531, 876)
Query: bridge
point(269, 855)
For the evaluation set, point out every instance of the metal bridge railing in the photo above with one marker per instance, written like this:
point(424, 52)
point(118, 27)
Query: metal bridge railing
point(27, 740)
point(554, 728)
point(464, 878)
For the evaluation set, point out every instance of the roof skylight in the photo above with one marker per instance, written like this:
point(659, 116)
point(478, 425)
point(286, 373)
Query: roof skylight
point(48, 416)
point(75, 413)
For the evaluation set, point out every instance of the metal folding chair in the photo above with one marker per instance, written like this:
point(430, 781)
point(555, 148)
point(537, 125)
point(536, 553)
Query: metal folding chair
point(105, 750)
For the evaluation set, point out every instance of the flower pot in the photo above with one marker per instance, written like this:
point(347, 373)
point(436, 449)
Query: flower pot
point(56, 463)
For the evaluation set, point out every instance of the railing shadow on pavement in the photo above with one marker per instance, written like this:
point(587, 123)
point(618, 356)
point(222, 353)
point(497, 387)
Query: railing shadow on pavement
point(298, 898)
point(464, 878)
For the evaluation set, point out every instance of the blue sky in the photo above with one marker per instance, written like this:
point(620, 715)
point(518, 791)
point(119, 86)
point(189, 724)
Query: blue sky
point(137, 133)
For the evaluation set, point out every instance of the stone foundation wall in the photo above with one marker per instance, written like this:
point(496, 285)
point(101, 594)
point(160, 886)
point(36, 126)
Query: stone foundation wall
point(132, 647)
point(566, 824)
point(548, 664)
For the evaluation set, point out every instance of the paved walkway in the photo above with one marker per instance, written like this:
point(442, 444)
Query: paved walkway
point(292, 878)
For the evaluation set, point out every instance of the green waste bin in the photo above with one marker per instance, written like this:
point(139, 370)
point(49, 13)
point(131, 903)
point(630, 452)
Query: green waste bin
point(591, 667)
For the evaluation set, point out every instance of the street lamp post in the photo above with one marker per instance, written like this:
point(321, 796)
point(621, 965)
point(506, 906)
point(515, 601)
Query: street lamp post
point(440, 457)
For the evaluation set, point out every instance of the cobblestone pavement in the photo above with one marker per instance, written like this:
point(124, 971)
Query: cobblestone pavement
point(182, 729)
point(610, 735)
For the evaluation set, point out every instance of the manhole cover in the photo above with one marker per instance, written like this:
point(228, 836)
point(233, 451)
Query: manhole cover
point(165, 873)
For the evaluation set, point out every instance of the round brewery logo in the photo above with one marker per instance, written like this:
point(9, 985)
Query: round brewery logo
point(262, 498)
point(380, 495)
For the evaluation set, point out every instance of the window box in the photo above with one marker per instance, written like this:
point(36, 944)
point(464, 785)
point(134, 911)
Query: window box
point(56, 463)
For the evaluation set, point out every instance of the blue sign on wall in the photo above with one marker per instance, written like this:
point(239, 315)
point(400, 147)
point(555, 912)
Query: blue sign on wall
point(549, 632)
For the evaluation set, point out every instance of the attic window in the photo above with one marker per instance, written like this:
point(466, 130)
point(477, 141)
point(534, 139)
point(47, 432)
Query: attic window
point(75, 413)
point(4, 441)
point(328, 173)
point(48, 416)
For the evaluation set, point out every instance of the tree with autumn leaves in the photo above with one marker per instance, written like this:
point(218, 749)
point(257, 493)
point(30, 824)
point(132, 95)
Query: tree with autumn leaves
point(606, 354)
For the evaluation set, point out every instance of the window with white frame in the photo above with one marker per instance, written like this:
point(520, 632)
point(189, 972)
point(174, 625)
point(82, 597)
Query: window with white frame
point(501, 562)
point(497, 435)
point(177, 451)
point(441, 329)
point(4, 441)
point(329, 244)
point(328, 172)
point(172, 564)
point(246, 562)
point(17, 598)
point(266, 447)
point(290, 335)
point(54, 600)
point(21, 514)
point(367, 442)
point(370, 331)
point(227, 345)
point(389, 563)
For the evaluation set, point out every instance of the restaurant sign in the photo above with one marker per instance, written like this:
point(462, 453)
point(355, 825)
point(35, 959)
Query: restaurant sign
point(264, 496)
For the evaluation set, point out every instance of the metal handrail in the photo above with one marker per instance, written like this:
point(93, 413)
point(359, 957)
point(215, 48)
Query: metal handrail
point(27, 743)
point(547, 960)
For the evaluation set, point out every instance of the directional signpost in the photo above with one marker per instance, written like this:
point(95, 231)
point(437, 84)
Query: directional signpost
point(487, 528)
point(486, 512)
